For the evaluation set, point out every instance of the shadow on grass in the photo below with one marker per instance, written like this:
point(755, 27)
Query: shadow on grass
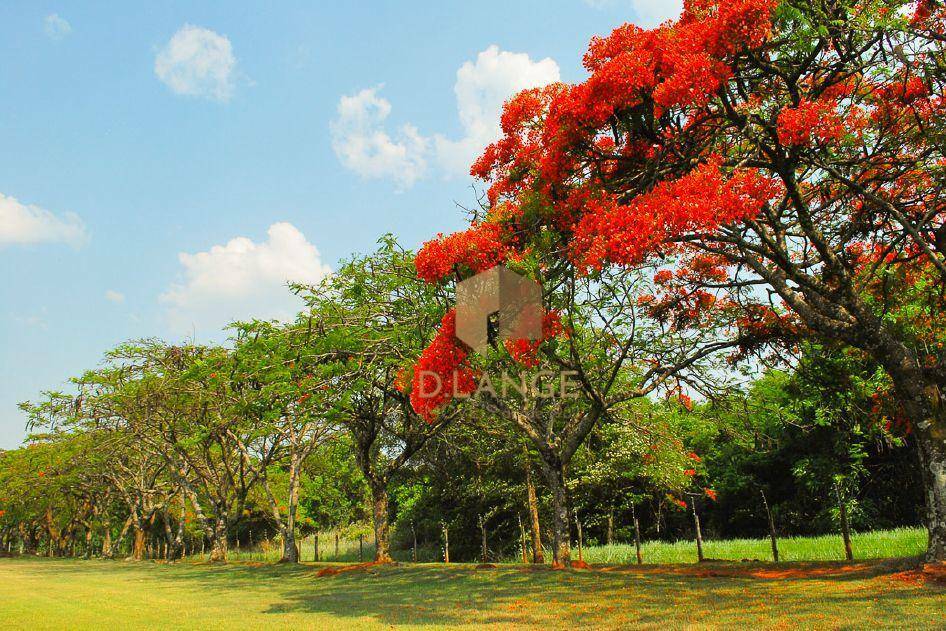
point(722, 593)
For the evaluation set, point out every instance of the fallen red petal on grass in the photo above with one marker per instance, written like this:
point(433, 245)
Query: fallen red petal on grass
point(332, 571)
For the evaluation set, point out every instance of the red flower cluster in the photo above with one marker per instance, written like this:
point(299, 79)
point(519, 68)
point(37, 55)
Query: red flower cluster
point(710, 493)
point(477, 249)
point(678, 502)
point(811, 119)
point(441, 372)
point(526, 351)
point(703, 200)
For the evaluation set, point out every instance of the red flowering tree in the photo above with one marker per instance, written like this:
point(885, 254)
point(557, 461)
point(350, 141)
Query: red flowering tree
point(783, 160)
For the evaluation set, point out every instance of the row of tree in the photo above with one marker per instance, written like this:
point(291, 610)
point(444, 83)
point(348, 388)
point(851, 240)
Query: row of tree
point(758, 182)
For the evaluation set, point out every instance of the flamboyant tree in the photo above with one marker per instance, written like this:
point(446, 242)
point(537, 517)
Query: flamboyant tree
point(784, 161)
point(601, 351)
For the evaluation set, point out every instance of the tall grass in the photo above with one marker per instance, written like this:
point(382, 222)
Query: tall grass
point(901, 542)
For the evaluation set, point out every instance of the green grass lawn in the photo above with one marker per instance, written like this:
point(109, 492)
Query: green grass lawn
point(40, 593)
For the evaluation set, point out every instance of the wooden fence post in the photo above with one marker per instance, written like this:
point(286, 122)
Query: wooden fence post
point(446, 544)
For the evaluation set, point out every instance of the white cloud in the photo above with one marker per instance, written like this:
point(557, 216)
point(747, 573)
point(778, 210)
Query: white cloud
point(242, 280)
point(36, 320)
point(115, 296)
point(24, 224)
point(364, 146)
point(481, 89)
point(56, 27)
point(647, 13)
point(197, 62)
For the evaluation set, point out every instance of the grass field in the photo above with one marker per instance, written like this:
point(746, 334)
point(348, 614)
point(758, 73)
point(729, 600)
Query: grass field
point(902, 542)
point(59, 594)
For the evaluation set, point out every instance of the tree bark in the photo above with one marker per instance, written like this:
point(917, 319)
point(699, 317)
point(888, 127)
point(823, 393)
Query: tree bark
point(138, 548)
point(561, 546)
point(699, 533)
point(522, 541)
point(538, 554)
point(845, 527)
point(772, 535)
point(925, 409)
point(218, 548)
point(287, 527)
point(637, 535)
point(379, 500)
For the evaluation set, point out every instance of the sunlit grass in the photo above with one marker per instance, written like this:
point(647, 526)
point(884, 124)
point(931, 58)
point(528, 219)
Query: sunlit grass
point(74, 594)
point(902, 542)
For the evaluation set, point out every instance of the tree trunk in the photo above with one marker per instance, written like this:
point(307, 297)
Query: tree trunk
point(699, 533)
point(177, 551)
point(315, 546)
point(772, 534)
point(287, 528)
point(138, 548)
point(561, 546)
point(637, 535)
point(379, 513)
point(538, 554)
point(932, 452)
point(336, 545)
point(522, 540)
point(611, 527)
point(483, 549)
point(218, 547)
point(414, 549)
point(845, 526)
point(290, 551)
point(88, 542)
point(925, 408)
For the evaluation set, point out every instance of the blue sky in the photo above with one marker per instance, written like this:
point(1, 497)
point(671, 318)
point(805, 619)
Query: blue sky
point(165, 168)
